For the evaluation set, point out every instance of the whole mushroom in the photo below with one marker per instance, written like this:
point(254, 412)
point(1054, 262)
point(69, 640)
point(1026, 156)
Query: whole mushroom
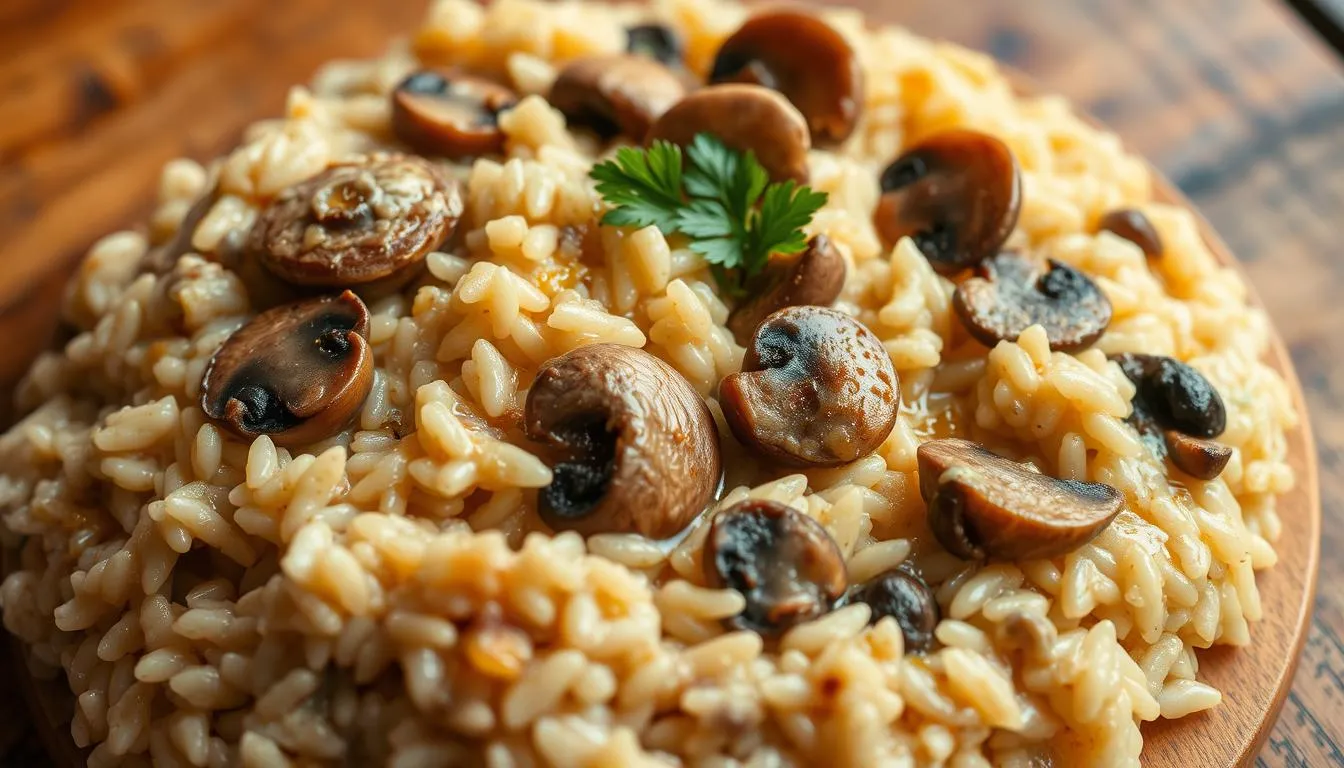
point(1177, 412)
point(804, 58)
point(613, 95)
point(747, 118)
point(299, 372)
point(957, 194)
point(370, 220)
point(1134, 226)
point(982, 505)
point(637, 448)
point(783, 562)
point(452, 114)
point(816, 389)
point(813, 277)
point(1011, 292)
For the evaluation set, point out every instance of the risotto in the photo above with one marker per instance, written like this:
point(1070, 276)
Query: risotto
point(646, 385)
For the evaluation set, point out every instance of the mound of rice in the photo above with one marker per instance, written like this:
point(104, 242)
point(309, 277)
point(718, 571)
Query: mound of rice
point(390, 596)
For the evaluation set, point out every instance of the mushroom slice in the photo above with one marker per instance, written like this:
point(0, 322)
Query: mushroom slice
point(638, 450)
point(616, 94)
point(450, 114)
point(655, 41)
point(1195, 456)
point(985, 506)
point(783, 562)
point(957, 194)
point(901, 594)
point(814, 277)
point(747, 118)
point(1176, 410)
point(298, 372)
point(1012, 293)
point(357, 222)
point(1134, 226)
point(806, 59)
point(816, 389)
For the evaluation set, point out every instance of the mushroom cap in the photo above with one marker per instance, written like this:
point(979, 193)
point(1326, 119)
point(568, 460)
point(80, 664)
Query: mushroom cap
point(747, 118)
point(357, 222)
point(450, 114)
point(638, 448)
point(957, 193)
point(619, 94)
point(983, 505)
point(1134, 226)
point(783, 562)
point(816, 389)
point(902, 594)
point(798, 54)
point(298, 372)
point(1012, 292)
point(813, 277)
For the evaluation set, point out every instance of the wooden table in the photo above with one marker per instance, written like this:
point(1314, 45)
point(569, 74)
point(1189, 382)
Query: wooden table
point(1236, 100)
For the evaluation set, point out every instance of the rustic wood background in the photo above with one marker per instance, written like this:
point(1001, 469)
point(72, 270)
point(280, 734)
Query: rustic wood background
point(1236, 100)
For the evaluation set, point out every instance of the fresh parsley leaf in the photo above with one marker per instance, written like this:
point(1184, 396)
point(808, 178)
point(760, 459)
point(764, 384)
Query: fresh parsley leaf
point(723, 202)
point(644, 186)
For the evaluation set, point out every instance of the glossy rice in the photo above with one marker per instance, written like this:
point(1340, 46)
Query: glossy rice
point(389, 596)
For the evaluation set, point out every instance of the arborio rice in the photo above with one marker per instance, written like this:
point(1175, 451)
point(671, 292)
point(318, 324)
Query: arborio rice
point(389, 596)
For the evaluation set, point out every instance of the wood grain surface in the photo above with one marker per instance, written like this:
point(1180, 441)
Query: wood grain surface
point(1234, 99)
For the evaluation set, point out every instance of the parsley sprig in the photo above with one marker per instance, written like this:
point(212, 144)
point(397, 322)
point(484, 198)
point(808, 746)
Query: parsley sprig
point(722, 201)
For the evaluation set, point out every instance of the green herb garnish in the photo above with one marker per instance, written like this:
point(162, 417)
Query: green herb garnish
point(722, 201)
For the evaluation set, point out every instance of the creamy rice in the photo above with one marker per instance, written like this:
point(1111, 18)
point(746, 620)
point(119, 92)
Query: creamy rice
point(389, 596)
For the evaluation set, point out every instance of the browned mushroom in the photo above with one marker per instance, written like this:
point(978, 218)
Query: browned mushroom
point(783, 562)
point(1134, 226)
point(357, 223)
point(816, 389)
point(806, 59)
point(985, 506)
point(901, 594)
point(957, 194)
point(1012, 292)
point(1176, 410)
point(637, 450)
point(298, 372)
point(813, 277)
point(747, 118)
point(655, 41)
point(451, 114)
point(615, 95)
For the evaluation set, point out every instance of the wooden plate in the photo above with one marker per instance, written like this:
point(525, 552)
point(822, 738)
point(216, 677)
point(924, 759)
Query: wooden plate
point(1254, 679)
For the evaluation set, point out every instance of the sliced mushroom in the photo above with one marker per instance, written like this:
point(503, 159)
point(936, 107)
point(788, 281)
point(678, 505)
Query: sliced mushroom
point(1134, 226)
point(806, 59)
point(816, 389)
point(1176, 410)
point(813, 277)
point(637, 448)
point(162, 259)
point(1032, 635)
point(655, 41)
point(298, 372)
point(957, 194)
point(450, 114)
point(985, 506)
point(901, 594)
point(1196, 456)
point(360, 222)
point(783, 562)
point(1012, 292)
point(615, 95)
point(747, 118)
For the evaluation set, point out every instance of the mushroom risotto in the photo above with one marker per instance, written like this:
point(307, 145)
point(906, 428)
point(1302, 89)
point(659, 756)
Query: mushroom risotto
point(642, 385)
